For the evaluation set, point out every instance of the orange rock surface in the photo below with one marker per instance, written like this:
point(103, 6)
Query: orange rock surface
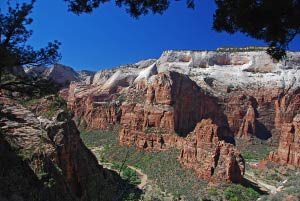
point(209, 156)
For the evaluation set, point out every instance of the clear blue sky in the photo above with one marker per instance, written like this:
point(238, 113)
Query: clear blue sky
point(110, 37)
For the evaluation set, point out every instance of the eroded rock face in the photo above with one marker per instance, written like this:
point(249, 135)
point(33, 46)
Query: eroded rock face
point(92, 109)
point(46, 160)
point(173, 106)
point(210, 157)
point(61, 74)
point(246, 94)
point(289, 150)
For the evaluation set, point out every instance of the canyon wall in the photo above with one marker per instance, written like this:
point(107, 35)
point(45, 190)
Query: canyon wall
point(210, 157)
point(288, 151)
point(46, 160)
point(160, 103)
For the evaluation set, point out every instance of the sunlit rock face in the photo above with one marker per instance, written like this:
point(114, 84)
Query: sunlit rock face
point(159, 103)
point(210, 157)
point(289, 145)
point(172, 107)
point(60, 74)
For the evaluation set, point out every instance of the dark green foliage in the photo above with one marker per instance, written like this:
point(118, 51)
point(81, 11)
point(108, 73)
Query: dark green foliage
point(52, 105)
point(134, 8)
point(212, 191)
point(58, 103)
point(131, 197)
point(237, 192)
point(14, 35)
point(130, 175)
point(291, 189)
point(275, 22)
point(257, 151)
point(276, 52)
point(161, 167)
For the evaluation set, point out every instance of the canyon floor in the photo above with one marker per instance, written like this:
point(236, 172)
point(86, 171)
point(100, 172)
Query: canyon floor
point(162, 178)
point(191, 125)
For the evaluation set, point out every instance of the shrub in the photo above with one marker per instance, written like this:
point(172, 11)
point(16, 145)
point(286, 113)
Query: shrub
point(130, 175)
point(212, 191)
point(131, 197)
point(231, 194)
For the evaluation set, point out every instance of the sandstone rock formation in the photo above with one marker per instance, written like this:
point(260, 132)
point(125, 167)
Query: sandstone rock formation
point(289, 150)
point(210, 157)
point(93, 110)
point(58, 73)
point(35, 71)
point(173, 106)
point(86, 76)
point(46, 160)
point(160, 102)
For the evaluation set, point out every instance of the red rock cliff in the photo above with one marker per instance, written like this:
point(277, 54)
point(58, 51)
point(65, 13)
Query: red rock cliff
point(46, 160)
point(210, 157)
point(92, 109)
point(174, 105)
point(289, 145)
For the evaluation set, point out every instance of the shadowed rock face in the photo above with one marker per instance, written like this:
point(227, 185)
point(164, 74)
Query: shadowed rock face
point(245, 94)
point(174, 105)
point(46, 160)
point(161, 116)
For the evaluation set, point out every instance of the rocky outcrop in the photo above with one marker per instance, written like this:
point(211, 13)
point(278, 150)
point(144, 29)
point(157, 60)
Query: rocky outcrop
point(173, 106)
point(288, 122)
point(61, 74)
point(209, 156)
point(35, 71)
point(128, 72)
point(86, 76)
point(287, 106)
point(58, 73)
point(46, 160)
point(288, 150)
point(160, 102)
point(93, 110)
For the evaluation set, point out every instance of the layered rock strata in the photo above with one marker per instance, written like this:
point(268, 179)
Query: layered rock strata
point(288, 151)
point(46, 160)
point(159, 104)
point(173, 106)
point(210, 157)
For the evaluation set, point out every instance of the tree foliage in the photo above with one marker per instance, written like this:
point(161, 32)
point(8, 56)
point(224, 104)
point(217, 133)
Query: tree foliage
point(14, 35)
point(135, 8)
point(275, 22)
point(14, 51)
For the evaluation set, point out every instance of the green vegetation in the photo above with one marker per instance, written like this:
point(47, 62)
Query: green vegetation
point(236, 193)
point(130, 175)
point(131, 197)
point(212, 191)
point(257, 151)
point(242, 49)
point(126, 173)
point(27, 103)
point(58, 103)
point(48, 106)
point(162, 168)
point(291, 189)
